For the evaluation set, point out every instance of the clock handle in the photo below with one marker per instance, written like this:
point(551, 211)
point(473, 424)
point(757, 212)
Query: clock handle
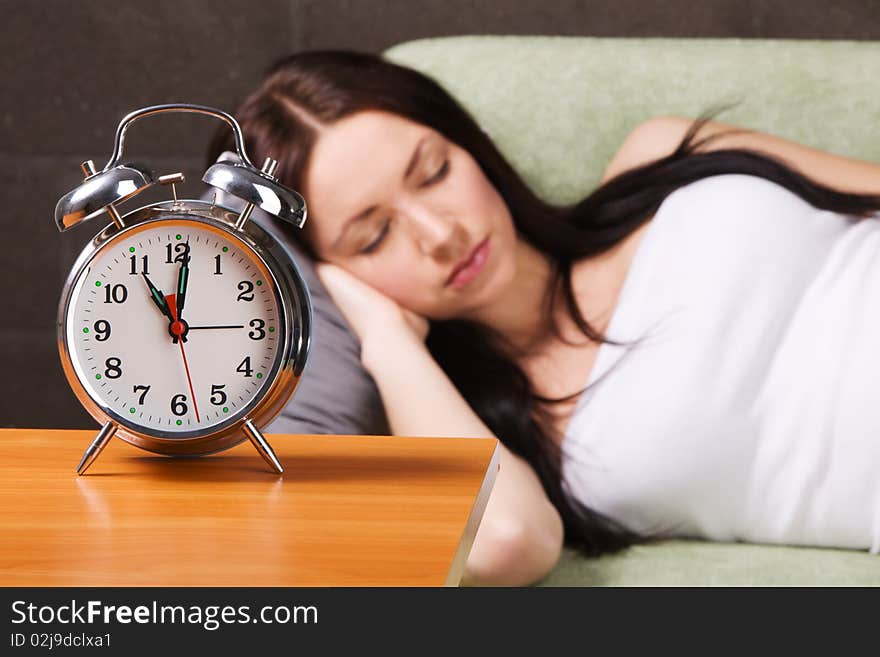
point(98, 444)
point(130, 118)
point(116, 182)
point(119, 182)
point(262, 446)
point(257, 187)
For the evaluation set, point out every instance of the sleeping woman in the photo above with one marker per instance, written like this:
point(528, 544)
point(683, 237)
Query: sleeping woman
point(689, 351)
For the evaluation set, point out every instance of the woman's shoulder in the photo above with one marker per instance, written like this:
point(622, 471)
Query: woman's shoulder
point(650, 140)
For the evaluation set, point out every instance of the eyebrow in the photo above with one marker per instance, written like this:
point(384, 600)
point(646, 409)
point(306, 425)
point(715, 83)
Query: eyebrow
point(360, 216)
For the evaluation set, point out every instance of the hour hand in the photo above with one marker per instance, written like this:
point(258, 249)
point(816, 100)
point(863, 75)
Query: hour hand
point(158, 298)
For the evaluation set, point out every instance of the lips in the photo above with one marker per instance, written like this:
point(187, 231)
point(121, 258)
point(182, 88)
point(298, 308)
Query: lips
point(467, 269)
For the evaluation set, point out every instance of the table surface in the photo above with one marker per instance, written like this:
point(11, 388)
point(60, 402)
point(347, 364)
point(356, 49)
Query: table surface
point(348, 511)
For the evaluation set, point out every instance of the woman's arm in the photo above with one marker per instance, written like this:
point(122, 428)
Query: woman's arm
point(659, 136)
point(520, 537)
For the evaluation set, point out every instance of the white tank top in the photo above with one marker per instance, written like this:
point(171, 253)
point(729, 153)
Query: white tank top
point(750, 410)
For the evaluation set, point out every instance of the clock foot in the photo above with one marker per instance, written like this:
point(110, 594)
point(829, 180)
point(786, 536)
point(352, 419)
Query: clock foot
point(262, 446)
point(98, 444)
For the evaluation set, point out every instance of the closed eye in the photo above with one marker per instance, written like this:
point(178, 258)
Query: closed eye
point(372, 246)
point(376, 243)
point(441, 173)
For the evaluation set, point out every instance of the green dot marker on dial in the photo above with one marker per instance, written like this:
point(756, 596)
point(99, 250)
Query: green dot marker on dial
point(131, 249)
point(131, 410)
point(86, 330)
point(271, 329)
point(177, 236)
point(97, 283)
point(97, 376)
point(225, 409)
point(179, 422)
point(225, 249)
point(259, 282)
point(259, 375)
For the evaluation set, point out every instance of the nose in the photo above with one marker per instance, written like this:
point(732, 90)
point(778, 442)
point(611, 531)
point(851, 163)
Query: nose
point(437, 234)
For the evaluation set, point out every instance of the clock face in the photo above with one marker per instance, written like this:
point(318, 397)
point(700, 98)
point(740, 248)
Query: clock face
point(176, 327)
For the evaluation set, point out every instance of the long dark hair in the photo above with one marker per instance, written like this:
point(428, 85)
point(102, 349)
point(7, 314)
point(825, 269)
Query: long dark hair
point(306, 90)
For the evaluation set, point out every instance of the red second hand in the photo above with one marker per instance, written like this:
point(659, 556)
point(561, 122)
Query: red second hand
point(177, 329)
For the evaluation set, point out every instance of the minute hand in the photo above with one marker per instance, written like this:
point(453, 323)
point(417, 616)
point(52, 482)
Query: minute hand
point(182, 280)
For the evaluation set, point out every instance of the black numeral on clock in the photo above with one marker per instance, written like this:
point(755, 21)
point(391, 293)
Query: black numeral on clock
point(245, 367)
point(259, 332)
point(145, 390)
point(145, 268)
point(218, 397)
point(102, 330)
point(217, 271)
point(113, 368)
point(178, 405)
point(115, 293)
point(247, 291)
point(182, 251)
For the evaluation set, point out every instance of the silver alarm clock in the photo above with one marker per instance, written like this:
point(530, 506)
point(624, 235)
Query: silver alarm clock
point(183, 327)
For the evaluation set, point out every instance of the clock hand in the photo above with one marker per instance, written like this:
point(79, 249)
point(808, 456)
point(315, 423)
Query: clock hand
point(196, 328)
point(178, 328)
point(158, 298)
point(182, 281)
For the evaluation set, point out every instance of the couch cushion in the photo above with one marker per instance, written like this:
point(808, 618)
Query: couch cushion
point(559, 107)
point(703, 563)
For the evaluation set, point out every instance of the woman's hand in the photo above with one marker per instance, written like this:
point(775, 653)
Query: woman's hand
point(370, 313)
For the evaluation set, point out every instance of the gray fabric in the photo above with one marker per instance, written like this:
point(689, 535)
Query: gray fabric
point(335, 394)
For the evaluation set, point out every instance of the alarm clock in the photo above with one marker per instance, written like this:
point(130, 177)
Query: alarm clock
point(183, 327)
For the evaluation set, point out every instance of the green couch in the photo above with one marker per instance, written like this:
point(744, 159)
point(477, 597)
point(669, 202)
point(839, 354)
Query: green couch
point(559, 108)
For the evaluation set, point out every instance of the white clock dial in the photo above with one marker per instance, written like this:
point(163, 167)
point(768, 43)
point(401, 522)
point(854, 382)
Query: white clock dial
point(169, 369)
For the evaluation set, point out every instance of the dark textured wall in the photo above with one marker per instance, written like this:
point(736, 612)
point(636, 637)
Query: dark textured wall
point(71, 70)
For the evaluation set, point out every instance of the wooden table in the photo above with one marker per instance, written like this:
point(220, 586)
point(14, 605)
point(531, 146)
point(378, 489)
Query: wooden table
point(348, 511)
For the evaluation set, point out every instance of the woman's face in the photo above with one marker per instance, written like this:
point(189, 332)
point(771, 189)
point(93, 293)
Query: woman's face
point(404, 209)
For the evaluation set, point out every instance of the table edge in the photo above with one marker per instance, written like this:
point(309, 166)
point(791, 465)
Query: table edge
point(459, 560)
